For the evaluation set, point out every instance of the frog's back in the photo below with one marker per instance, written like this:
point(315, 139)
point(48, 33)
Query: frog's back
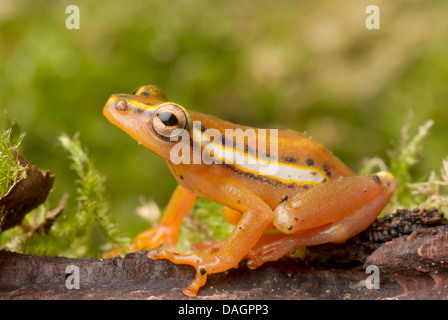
point(295, 149)
point(295, 163)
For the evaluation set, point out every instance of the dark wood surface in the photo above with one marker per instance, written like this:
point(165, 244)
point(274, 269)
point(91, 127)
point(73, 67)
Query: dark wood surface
point(411, 266)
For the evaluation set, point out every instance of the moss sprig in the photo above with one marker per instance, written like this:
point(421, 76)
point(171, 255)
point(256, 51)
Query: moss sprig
point(10, 169)
point(70, 233)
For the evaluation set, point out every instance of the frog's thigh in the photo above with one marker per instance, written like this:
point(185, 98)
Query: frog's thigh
point(337, 231)
point(331, 201)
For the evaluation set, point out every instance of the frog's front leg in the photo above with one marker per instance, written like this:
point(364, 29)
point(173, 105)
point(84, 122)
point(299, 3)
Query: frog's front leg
point(257, 215)
point(167, 231)
point(331, 212)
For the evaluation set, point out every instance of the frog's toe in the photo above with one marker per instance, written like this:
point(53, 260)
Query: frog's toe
point(254, 263)
point(194, 260)
point(155, 237)
point(203, 263)
point(112, 253)
point(268, 252)
point(158, 253)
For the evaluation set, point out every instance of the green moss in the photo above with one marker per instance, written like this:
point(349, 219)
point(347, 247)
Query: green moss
point(204, 224)
point(70, 233)
point(433, 193)
point(430, 193)
point(10, 170)
point(73, 230)
point(403, 157)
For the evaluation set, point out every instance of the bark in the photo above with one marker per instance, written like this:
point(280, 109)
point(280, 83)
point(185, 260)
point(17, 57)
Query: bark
point(409, 249)
point(24, 195)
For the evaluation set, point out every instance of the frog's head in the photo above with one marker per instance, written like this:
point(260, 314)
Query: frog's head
point(149, 118)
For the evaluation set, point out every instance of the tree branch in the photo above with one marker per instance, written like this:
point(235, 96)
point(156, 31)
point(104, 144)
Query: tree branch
point(411, 266)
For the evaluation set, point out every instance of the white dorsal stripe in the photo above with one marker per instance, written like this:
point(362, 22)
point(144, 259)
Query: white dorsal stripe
point(284, 172)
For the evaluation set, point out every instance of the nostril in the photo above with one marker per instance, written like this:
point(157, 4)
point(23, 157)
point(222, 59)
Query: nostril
point(122, 106)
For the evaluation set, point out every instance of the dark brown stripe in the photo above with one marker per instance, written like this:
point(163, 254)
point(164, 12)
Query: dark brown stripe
point(289, 159)
point(260, 178)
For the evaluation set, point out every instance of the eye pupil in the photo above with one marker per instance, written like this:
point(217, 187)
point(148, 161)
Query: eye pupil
point(168, 119)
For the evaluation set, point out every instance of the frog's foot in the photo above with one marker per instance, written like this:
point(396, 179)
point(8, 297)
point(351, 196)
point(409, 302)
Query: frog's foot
point(112, 253)
point(149, 239)
point(270, 252)
point(204, 264)
point(155, 237)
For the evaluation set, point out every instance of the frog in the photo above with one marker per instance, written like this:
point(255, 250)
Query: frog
point(292, 195)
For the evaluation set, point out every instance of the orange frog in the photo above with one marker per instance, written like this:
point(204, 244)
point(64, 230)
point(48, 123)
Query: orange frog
point(266, 180)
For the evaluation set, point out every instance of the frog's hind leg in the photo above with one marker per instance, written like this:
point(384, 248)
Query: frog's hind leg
point(336, 232)
point(339, 231)
point(233, 217)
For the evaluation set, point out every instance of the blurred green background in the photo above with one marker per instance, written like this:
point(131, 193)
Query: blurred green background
point(305, 65)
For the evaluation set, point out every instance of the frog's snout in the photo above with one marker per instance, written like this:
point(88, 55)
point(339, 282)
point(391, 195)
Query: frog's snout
point(109, 106)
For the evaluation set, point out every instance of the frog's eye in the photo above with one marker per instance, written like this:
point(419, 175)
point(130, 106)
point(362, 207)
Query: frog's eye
point(167, 118)
point(151, 92)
